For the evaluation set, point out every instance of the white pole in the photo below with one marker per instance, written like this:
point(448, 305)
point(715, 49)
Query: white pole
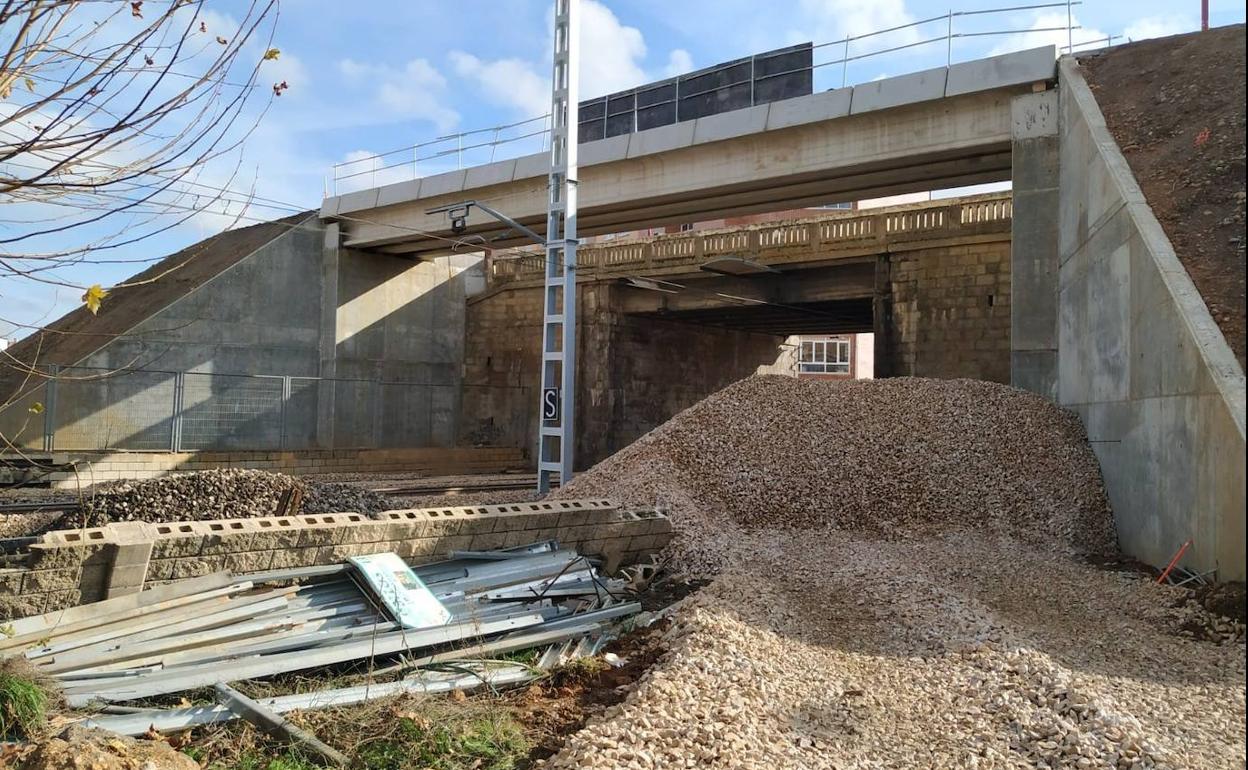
point(1070, 30)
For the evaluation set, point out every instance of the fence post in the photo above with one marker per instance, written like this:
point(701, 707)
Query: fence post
point(49, 410)
point(281, 429)
point(845, 62)
point(949, 41)
point(378, 412)
point(175, 425)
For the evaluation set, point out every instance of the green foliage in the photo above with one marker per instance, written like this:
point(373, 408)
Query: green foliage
point(488, 741)
point(23, 707)
point(253, 760)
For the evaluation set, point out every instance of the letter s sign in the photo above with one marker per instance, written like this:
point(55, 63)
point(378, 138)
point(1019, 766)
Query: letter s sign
point(550, 403)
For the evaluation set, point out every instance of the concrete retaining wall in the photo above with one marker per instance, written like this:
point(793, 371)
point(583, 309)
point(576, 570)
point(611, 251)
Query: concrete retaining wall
point(93, 467)
point(1141, 359)
point(66, 568)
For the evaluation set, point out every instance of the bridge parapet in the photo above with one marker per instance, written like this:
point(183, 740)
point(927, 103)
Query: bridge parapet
point(820, 238)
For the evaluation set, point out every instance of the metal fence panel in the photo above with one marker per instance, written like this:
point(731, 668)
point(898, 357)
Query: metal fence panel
point(100, 409)
point(221, 411)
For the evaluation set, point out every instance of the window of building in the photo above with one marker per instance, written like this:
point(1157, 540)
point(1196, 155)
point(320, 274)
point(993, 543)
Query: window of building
point(824, 357)
point(686, 227)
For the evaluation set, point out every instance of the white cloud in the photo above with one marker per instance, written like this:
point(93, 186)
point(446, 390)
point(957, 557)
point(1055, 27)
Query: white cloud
point(833, 19)
point(512, 83)
point(679, 61)
point(614, 52)
point(414, 91)
point(1158, 26)
point(828, 20)
point(613, 60)
point(1050, 29)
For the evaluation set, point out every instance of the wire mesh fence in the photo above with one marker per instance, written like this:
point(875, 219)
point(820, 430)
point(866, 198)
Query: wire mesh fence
point(81, 408)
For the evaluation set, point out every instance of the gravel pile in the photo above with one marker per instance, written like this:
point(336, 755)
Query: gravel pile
point(897, 587)
point(904, 456)
point(229, 493)
point(965, 650)
point(334, 497)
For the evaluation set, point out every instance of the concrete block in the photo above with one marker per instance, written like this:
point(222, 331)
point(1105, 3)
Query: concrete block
point(170, 547)
point(160, 569)
point(1011, 69)
point(729, 125)
point(442, 184)
point(824, 105)
point(59, 600)
point(1034, 116)
point(125, 579)
point(44, 581)
point(607, 150)
point(366, 532)
point(44, 556)
point(197, 566)
point(894, 92)
point(224, 541)
point(530, 166)
point(489, 541)
point(661, 139)
point(499, 172)
point(294, 557)
point(573, 518)
point(251, 561)
point(11, 581)
point(353, 201)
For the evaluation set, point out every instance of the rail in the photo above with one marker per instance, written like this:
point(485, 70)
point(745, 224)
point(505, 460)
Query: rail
point(774, 243)
point(484, 145)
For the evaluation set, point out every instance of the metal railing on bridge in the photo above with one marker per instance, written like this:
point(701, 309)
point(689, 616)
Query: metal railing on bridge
point(852, 59)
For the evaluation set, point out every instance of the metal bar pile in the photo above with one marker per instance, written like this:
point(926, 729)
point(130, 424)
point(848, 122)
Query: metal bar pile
point(193, 634)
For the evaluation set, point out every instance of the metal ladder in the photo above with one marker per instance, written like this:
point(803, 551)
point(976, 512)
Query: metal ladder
point(557, 406)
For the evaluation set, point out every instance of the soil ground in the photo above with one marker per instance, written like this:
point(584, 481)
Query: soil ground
point(1176, 108)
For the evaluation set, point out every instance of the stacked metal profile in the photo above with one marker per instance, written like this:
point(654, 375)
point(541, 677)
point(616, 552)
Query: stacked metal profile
point(231, 629)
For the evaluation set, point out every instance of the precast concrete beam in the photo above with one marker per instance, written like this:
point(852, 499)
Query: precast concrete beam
point(938, 128)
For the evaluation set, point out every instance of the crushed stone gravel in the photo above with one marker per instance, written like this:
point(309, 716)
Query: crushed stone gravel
point(900, 584)
point(228, 493)
point(898, 457)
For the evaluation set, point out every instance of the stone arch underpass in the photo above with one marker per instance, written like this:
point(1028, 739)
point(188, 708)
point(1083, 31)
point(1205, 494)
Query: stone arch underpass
point(667, 320)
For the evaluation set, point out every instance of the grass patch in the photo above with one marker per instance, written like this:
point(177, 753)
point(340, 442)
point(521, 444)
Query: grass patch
point(453, 740)
point(407, 732)
point(23, 704)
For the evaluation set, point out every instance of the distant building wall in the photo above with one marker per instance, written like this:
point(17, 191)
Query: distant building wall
point(633, 373)
point(946, 312)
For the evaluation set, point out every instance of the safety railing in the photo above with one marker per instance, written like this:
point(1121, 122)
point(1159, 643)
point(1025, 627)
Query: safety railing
point(774, 243)
point(849, 60)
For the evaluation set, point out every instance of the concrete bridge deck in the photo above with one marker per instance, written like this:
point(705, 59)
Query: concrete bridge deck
point(945, 127)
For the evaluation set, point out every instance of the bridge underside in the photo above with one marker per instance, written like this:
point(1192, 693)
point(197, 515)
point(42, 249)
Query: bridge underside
point(842, 316)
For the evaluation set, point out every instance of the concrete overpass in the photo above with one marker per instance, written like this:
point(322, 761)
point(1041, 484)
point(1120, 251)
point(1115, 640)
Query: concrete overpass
point(938, 128)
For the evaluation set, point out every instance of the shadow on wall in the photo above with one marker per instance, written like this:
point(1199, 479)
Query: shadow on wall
point(243, 362)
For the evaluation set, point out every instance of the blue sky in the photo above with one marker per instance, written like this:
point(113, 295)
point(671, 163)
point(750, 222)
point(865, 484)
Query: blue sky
point(378, 75)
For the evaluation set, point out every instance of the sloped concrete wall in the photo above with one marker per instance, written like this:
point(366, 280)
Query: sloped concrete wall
point(1141, 359)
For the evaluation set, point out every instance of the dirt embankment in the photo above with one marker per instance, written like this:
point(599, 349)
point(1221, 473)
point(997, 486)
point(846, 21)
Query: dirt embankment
point(1176, 108)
